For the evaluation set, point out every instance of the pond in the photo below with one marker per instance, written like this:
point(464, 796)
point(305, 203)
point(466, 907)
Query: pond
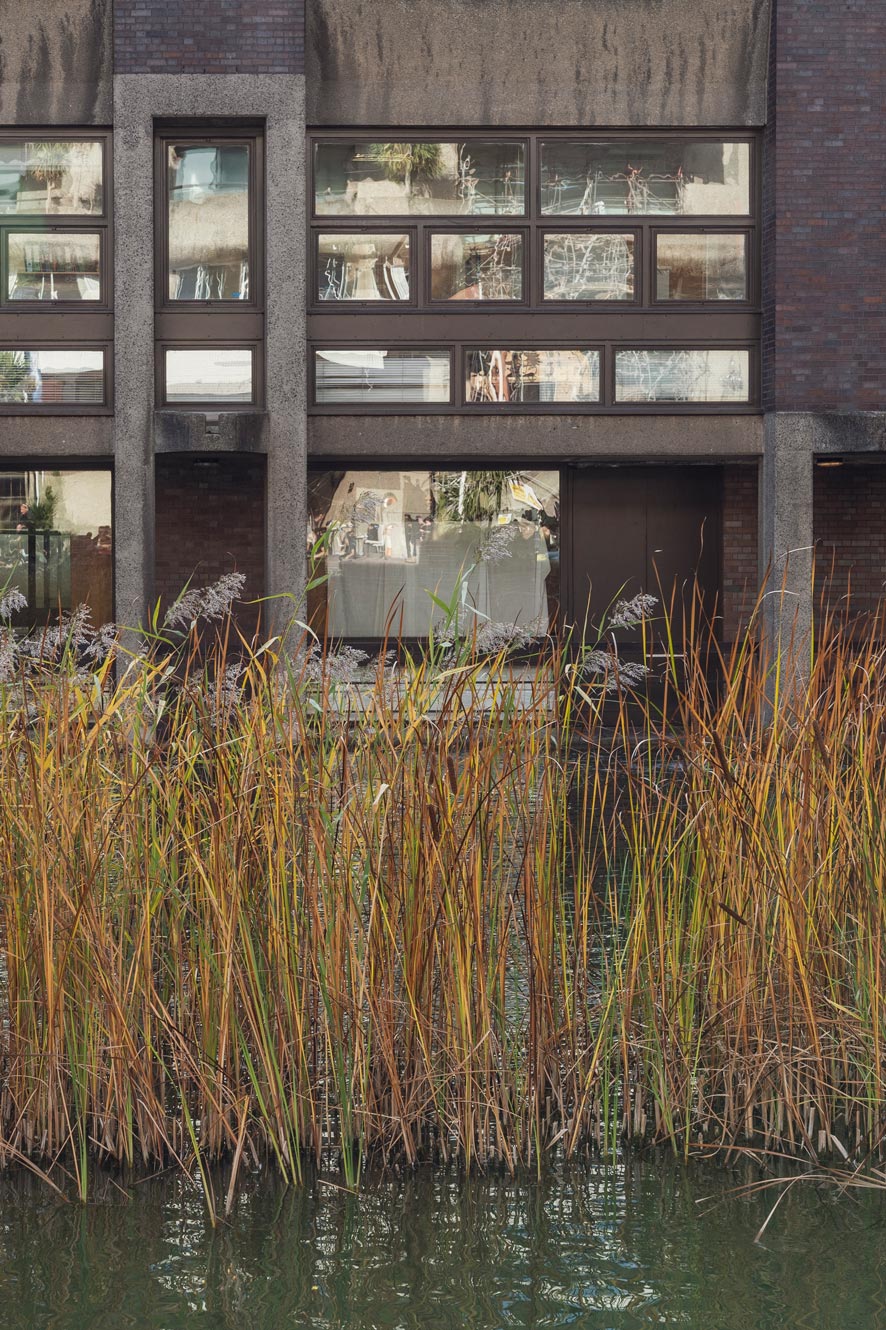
point(602, 1247)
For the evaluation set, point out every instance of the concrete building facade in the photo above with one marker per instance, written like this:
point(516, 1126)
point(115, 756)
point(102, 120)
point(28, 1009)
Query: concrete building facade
point(522, 303)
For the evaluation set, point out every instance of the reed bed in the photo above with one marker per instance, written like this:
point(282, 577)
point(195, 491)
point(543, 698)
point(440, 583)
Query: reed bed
point(253, 914)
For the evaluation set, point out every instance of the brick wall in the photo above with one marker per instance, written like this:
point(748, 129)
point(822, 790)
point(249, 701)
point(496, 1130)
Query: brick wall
point(850, 537)
point(209, 521)
point(218, 37)
point(827, 301)
point(739, 569)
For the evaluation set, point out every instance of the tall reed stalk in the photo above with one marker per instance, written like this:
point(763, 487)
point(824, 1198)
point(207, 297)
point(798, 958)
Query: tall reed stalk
point(462, 911)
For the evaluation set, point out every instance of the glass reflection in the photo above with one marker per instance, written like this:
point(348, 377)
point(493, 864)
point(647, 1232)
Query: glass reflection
point(43, 176)
point(394, 539)
point(418, 179)
point(208, 221)
point(55, 266)
point(362, 266)
point(373, 377)
point(588, 265)
point(55, 541)
point(49, 377)
point(511, 377)
point(659, 176)
point(209, 374)
point(477, 267)
point(682, 376)
point(701, 267)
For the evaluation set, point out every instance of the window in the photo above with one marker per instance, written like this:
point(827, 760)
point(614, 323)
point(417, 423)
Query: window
point(52, 378)
point(215, 376)
point(516, 378)
point(374, 377)
point(209, 259)
point(708, 266)
point(628, 176)
point(477, 267)
point(487, 541)
point(55, 277)
point(419, 179)
point(55, 542)
point(682, 375)
point(528, 263)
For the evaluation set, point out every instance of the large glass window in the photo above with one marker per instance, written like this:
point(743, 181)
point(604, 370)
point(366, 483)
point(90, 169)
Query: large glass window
point(60, 177)
point(477, 267)
point(51, 378)
point(577, 246)
point(588, 265)
point(486, 541)
point(209, 267)
point(515, 378)
point(373, 377)
point(208, 221)
point(418, 179)
point(212, 375)
point(366, 265)
point(682, 376)
point(708, 266)
point(55, 541)
point(678, 175)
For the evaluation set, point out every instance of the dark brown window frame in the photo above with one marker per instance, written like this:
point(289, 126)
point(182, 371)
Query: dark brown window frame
point(62, 324)
point(31, 342)
point(534, 322)
point(384, 408)
point(256, 350)
point(607, 404)
point(190, 324)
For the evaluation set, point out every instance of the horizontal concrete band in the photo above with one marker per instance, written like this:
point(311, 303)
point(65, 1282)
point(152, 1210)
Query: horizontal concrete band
point(480, 437)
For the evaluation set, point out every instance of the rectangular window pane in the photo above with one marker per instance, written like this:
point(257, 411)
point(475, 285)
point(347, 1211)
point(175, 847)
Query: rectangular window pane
point(40, 176)
point(418, 179)
point(48, 378)
point(362, 266)
point(585, 265)
point(682, 376)
point(208, 221)
point(514, 377)
point(700, 267)
point(55, 542)
point(374, 377)
point(54, 266)
point(209, 374)
point(488, 541)
point(477, 267)
point(680, 175)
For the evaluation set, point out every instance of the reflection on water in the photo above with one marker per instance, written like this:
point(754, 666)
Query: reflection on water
point(599, 1247)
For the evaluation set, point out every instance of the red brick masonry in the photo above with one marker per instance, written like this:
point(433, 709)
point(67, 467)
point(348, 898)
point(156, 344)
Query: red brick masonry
point(224, 37)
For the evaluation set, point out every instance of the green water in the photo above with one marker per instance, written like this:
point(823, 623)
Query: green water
point(601, 1247)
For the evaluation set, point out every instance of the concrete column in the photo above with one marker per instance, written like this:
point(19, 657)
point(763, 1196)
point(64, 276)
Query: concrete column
point(786, 535)
point(286, 353)
point(133, 356)
point(278, 100)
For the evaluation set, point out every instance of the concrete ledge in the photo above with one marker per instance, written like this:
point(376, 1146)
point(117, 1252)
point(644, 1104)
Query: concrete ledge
point(609, 438)
point(198, 432)
point(56, 436)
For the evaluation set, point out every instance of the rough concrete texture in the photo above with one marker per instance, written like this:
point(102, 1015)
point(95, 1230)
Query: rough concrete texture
point(279, 101)
point(478, 437)
point(786, 533)
point(534, 62)
point(55, 62)
point(193, 432)
point(56, 436)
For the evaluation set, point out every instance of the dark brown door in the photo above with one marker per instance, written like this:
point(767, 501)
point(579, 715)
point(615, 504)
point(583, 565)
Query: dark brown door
point(653, 529)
